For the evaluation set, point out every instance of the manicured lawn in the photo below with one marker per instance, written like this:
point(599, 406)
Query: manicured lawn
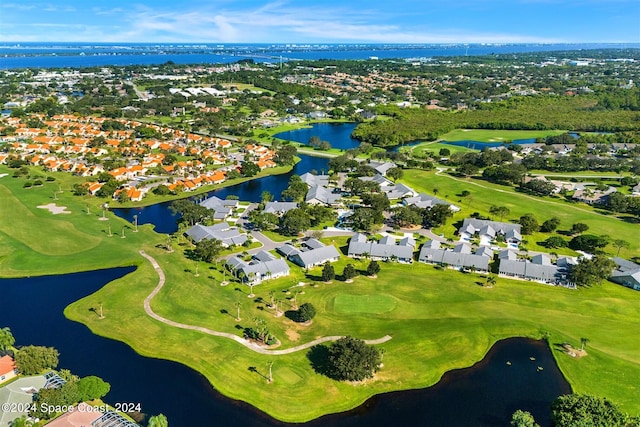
point(489, 135)
point(276, 237)
point(371, 304)
point(439, 320)
point(423, 148)
point(442, 320)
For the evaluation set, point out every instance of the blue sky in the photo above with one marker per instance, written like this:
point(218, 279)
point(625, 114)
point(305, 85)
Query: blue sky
point(327, 21)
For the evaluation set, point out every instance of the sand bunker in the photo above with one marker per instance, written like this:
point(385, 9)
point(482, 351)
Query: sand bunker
point(54, 209)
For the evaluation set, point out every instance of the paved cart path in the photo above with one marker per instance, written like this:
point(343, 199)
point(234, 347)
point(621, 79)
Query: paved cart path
point(250, 345)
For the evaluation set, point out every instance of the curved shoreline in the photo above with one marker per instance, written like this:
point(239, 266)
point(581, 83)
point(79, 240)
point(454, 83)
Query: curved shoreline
point(239, 340)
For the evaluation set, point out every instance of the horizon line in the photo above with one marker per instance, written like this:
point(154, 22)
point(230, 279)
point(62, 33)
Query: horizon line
point(335, 43)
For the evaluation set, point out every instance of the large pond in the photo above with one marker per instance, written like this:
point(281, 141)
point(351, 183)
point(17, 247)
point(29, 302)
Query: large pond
point(338, 134)
point(483, 395)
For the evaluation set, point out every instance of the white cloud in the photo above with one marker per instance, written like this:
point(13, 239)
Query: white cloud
point(271, 22)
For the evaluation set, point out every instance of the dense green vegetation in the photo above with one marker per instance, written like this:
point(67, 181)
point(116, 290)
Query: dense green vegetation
point(577, 410)
point(524, 113)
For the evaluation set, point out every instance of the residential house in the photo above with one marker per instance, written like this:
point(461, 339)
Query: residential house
point(382, 167)
point(460, 257)
point(221, 208)
point(263, 266)
point(228, 235)
point(378, 179)
point(315, 180)
point(539, 269)
point(8, 369)
point(398, 191)
point(426, 201)
point(627, 273)
point(385, 249)
point(488, 230)
point(593, 196)
point(312, 253)
point(319, 195)
point(279, 208)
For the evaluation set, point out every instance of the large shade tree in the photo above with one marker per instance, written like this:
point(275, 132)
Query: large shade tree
point(350, 359)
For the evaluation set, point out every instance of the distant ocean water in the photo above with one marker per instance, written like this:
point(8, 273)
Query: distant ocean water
point(75, 55)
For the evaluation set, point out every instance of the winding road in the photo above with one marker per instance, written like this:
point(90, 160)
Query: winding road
point(250, 345)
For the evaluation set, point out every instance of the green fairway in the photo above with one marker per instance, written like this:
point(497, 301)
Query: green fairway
point(439, 320)
point(490, 135)
point(363, 304)
point(423, 149)
point(484, 194)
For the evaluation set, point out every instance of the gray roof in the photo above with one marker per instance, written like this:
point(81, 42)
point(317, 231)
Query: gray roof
point(398, 191)
point(387, 240)
point(513, 234)
point(279, 207)
point(630, 278)
point(625, 265)
point(484, 251)
point(288, 250)
point(314, 180)
point(385, 248)
point(462, 248)
point(507, 254)
point(456, 259)
point(378, 179)
point(313, 243)
point(407, 241)
point(499, 227)
point(321, 194)
point(221, 208)
point(423, 200)
point(227, 235)
point(382, 167)
point(315, 256)
point(541, 259)
point(487, 230)
point(264, 256)
point(529, 270)
point(432, 244)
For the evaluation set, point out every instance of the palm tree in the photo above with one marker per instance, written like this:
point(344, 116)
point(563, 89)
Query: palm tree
point(583, 343)
point(251, 283)
point(491, 280)
point(238, 311)
point(272, 297)
point(270, 379)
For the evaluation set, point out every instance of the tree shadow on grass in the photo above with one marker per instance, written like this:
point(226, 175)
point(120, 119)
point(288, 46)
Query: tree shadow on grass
point(292, 315)
point(256, 371)
point(318, 355)
point(313, 277)
point(560, 346)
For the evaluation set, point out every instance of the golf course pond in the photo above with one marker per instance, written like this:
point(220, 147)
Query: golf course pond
point(516, 373)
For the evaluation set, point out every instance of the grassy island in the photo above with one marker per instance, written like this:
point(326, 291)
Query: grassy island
point(439, 320)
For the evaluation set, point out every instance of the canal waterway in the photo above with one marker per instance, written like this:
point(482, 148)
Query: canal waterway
point(161, 216)
point(483, 395)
